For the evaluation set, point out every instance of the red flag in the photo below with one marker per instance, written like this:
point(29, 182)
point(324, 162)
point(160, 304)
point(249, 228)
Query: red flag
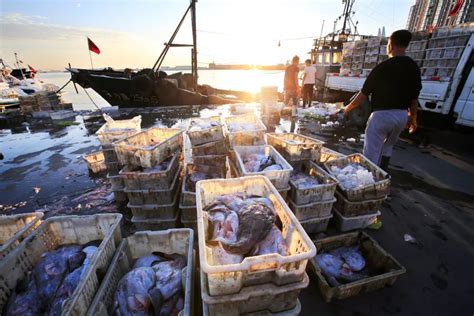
point(31, 68)
point(455, 9)
point(93, 47)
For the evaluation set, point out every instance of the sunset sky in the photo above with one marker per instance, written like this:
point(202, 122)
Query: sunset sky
point(50, 33)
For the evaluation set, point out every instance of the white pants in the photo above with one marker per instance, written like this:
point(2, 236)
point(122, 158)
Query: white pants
point(381, 133)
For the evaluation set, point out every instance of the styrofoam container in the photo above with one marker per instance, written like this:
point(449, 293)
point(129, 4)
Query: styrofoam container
point(328, 155)
point(150, 147)
point(257, 299)
point(151, 180)
point(116, 181)
point(154, 223)
point(210, 149)
point(345, 224)
point(279, 178)
point(348, 208)
point(316, 225)
point(95, 161)
point(53, 233)
point(377, 190)
point(271, 268)
point(311, 210)
point(245, 137)
point(15, 228)
point(212, 134)
point(156, 211)
point(295, 147)
point(316, 193)
point(173, 241)
point(157, 197)
point(115, 130)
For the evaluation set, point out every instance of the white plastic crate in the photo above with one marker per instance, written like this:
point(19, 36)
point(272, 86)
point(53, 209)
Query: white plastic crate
point(53, 233)
point(212, 134)
point(317, 192)
point(156, 211)
point(113, 168)
point(116, 181)
point(345, 224)
point(172, 241)
point(245, 137)
point(115, 130)
point(258, 299)
point(109, 155)
point(295, 147)
point(188, 213)
point(316, 225)
point(154, 223)
point(377, 190)
point(95, 161)
point(150, 147)
point(311, 210)
point(15, 228)
point(188, 198)
point(348, 208)
point(210, 149)
point(279, 178)
point(271, 268)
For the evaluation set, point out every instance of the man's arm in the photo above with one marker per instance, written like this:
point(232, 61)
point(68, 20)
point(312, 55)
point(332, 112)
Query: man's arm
point(296, 82)
point(302, 82)
point(357, 101)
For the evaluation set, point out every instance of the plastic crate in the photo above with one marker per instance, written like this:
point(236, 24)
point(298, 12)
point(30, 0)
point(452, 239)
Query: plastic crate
point(15, 228)
point(110, 155)
point(454, 52)
point(172, 241)
point(116, 181)
point(348, 208)
point(115, 130)
point(95, 161)
point(159, 197)
point(113, 168)
point(120, 197)
point(316, 193)
point(156, 211)
point(279, 178)
point(150, 147)
point(59, 231)
point(311, 210)
point(271, 268)
point(317, 224)
point(219, 161)
point(284, 192)
point(214, 148)
point(188, 198)
point(307, 148)
point(212, 134)
point(377, 259)
point(258, 299)
point(245, 137)
point(345, 224)
point(377, 190)
point(188, 213)
point(151, 180)
point(154, 223)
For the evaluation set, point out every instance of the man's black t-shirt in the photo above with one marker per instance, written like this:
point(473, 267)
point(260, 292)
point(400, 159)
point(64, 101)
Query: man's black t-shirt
point(290, 74)
point(393, 84)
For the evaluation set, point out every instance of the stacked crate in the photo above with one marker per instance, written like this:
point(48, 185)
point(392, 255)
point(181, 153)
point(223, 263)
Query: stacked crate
point(209, 156)
point(375, 53)
point(360, 207)
point(346, 62)
point(110, 132)
point(264, 285)
point(417, 47)
point(150, 175)
point(311, 204)
point(358, 55)
point(270, 108)
point(41, 102)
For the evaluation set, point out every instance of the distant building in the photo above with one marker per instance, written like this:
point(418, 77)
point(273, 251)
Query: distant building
point(427, 14)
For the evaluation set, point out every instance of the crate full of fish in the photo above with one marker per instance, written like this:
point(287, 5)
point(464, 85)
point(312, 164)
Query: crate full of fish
point(348, 223)
point(151, 274)
point(205, 130)
point(248, 235)
point(15, 228)
point(150, 147)
point(160, 176)
point(316, 224)
point(263, 160)
point(95, 161)
point(310, 183)
point(349, 209)
point(351, 264)
point(262, 299)
point(56, 269)
point(213, 148)
point(295, 147)
point(359, 178)
point(155, 223)
point(244, 130)
point(328, 155)
point(194, 173)
point(114, 130)
point(165, 211)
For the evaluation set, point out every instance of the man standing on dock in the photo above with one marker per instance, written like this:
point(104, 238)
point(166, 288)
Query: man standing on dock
point(394, 86)
point(291, 85)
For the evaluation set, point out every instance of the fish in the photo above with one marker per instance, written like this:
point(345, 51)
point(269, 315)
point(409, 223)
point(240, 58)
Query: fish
point(255, 222)
point(351, 256)
point(330, 266)
point(258, 163)
point(168, 276)
point(272, 243)
point(336, 270)
point(303, 181)
point(147, 261)
point(24, 300)
point(273, 167)
point(233, 202)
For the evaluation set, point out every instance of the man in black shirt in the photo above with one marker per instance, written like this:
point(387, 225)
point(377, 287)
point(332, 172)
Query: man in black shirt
point(393, 87)
point(291, 85)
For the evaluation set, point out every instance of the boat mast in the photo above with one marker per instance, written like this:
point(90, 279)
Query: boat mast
point(194, 63)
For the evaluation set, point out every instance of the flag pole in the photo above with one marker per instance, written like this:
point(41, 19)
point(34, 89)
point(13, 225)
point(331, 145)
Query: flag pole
point(90, 57)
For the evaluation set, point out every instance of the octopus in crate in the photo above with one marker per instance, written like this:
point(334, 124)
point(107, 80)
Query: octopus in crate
point(353, 176)
point(303, 181)
point(258, 163)
point(195, 176)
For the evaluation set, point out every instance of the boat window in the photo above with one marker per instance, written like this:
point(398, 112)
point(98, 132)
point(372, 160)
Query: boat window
point(336, 57)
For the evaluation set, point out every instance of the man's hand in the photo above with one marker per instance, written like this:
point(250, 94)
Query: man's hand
point(413, 124)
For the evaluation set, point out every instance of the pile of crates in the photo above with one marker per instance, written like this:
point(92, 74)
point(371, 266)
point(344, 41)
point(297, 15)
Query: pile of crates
point(150, 176)
point(375, 53)
point(267, 284)
point(417, 47)
point(346, 62)
point(110, 132)
point(42, 102)
point(270, 108)
point(358, 56)
point(360, 207)
point(312, 205)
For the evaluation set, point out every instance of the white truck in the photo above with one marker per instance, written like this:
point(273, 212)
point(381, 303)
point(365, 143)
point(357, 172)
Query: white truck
point(451, 95)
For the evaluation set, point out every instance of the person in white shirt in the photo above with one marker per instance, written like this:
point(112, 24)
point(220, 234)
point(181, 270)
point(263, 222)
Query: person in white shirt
point(309, 79)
